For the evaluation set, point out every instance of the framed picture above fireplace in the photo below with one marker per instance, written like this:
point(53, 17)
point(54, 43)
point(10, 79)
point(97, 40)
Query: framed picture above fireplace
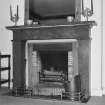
point(51, 9)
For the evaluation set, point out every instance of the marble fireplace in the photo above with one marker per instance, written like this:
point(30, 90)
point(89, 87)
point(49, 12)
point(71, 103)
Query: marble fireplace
point(56, 50)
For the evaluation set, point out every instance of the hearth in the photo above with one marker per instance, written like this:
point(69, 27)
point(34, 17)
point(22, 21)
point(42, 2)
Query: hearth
point(46, 58)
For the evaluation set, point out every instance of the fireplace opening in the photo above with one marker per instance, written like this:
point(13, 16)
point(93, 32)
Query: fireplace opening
point(50, 66)
point(51, 58)
point(55, 61)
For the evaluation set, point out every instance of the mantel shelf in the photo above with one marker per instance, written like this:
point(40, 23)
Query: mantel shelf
point(33, 26)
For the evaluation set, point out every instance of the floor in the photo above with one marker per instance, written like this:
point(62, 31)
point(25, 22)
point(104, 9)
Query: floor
point(11, 100)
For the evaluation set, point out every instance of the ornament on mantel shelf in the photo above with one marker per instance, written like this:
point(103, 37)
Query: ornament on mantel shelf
point(14, 18)
point(87, 12)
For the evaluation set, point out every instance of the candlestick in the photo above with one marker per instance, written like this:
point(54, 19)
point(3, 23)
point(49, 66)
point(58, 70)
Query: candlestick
point(17, 10)
point(82, 6)
point(14, 17)
point(10, 12)
point(87, 12)
point(92, 6)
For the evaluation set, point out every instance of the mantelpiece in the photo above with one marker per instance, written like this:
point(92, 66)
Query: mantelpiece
point(79, 31)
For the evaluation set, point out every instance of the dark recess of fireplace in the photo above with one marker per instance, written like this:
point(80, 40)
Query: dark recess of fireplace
point(55, 59)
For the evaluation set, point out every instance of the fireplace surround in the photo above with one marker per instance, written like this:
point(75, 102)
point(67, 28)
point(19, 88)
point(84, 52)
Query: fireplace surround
point(64, 48)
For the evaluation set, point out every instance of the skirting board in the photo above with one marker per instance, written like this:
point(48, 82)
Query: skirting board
point(96, 92)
